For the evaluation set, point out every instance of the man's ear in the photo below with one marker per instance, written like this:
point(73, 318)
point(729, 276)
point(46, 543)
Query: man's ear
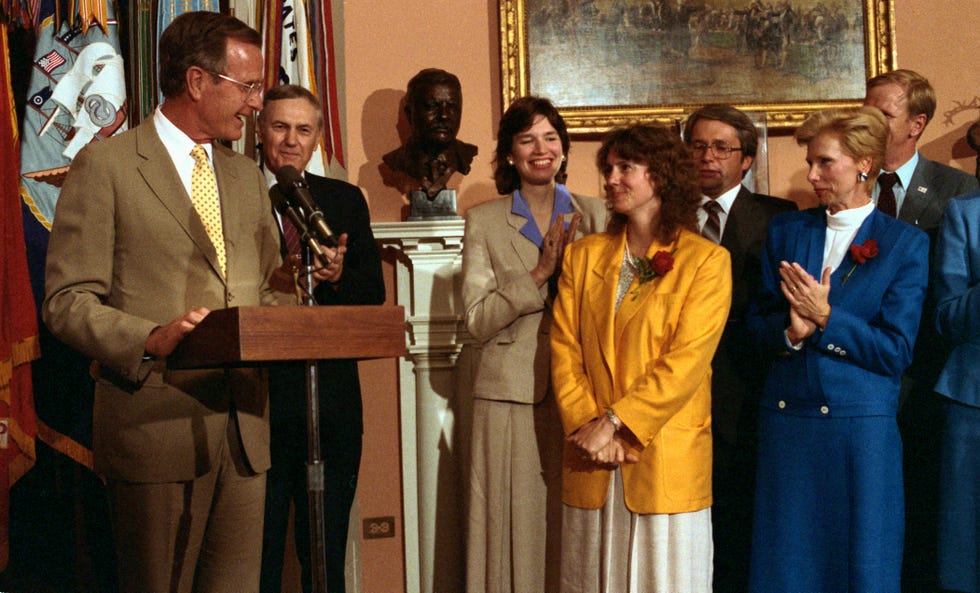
point(918, 125)
point(747, 163)
point(194, 80)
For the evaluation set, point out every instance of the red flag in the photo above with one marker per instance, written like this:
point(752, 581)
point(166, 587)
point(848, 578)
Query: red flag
point(18, 316)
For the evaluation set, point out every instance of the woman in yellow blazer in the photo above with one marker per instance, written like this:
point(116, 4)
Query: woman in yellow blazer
point(639, 313)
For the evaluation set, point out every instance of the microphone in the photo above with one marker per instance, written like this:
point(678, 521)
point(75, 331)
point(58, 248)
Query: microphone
point(284, 209)
point(299, 196)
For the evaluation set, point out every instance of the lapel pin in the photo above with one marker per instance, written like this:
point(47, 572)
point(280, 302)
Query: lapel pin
point(922, 189)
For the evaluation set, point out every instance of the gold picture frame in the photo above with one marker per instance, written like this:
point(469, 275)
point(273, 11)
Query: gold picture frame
point(608, 63)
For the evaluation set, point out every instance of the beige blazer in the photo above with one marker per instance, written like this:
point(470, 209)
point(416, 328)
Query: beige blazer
point(650, 362)
point(128, 253)
point(506, 313)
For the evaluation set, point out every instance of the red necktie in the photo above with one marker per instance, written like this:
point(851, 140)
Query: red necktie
point(886, 196)
point(291, 235)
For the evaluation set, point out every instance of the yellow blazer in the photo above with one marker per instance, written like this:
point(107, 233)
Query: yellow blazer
point(650, 362)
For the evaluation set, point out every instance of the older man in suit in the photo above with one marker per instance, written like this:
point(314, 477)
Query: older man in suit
point(916, 190)
point(290, 126)
point(724, 142)
point(956, 278)
point(154, 229)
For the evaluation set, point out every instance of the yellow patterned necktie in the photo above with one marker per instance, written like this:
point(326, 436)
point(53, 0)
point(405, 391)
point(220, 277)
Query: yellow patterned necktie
point(204, 196)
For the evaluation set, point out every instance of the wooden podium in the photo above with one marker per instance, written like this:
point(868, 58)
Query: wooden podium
point(251, 335)
point(245, 336)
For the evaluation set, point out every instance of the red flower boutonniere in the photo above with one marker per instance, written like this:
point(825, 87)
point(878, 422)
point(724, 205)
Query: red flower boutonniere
point(649, 268)
point(860, 254)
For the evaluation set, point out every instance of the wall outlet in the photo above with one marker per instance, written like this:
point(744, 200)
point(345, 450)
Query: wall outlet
point(378, 527)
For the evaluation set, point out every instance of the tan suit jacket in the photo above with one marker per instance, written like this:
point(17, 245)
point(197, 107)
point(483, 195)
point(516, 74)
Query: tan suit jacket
point(650, 362)
point(128, 253)
point(507, 314)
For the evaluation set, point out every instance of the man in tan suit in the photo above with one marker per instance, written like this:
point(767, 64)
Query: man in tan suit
point(135, 262)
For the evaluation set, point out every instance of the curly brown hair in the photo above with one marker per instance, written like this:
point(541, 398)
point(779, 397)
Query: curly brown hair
point(671, 168)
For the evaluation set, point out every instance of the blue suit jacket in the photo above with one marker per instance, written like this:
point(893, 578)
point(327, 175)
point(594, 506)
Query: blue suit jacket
point(957, 290)
point(854, 366)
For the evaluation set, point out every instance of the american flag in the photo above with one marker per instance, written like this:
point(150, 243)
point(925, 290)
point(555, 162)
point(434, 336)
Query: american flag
point(50, 61)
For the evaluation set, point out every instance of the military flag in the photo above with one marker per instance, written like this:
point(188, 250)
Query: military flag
point(18, 321)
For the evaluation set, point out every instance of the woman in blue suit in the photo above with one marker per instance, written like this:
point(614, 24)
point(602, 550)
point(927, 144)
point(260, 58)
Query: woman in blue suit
point(843, 286)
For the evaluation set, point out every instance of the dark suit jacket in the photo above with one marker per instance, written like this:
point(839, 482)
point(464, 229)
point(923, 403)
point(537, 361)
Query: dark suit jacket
point(129, 253)
point(361, 283)
point(738, 371)
point(930, 189)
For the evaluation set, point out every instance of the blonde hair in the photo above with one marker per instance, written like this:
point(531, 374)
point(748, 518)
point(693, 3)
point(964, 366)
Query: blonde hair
point(862, 133)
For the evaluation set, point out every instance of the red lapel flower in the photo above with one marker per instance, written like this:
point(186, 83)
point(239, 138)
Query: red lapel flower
point(649, 268)
point(860, 254)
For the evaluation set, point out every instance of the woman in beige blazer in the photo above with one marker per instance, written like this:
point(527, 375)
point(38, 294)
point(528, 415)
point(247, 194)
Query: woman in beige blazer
point(639, 313)
point(511, 254)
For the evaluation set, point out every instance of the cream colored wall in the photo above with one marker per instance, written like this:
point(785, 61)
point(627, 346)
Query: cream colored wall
point(388, 42)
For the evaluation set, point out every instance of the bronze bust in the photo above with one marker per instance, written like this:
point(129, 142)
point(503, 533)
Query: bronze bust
point(433, 105)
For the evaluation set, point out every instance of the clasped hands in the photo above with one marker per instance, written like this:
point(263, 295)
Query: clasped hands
point(601, 443)
point(808, 300)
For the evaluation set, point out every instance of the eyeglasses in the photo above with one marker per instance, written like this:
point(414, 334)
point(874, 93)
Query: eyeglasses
point(719, 150)
point(251, 89)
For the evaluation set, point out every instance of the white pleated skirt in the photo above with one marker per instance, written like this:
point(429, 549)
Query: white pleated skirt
point(613, 550)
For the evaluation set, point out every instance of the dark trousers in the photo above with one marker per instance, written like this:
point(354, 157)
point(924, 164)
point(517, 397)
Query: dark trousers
point(286, 482)
point(733, 479)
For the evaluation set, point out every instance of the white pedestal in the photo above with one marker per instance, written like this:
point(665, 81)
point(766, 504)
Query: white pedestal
point(428, 280)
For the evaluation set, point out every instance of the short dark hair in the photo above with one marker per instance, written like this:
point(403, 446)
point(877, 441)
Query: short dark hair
point(198, 39)
point(426, 78)
point(292, 91)
point(519, 117)
point(671, 168)
point(748, 136)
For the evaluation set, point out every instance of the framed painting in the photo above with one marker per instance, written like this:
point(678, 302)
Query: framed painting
point(608, 63)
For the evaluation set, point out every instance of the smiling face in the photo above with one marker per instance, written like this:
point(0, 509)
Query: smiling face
point(223, 103)
point(289, 130)
point(834, 175)
point(630, 189)
point(716, 175)
point(537, 153)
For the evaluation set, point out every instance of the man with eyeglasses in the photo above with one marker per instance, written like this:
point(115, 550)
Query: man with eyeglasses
point(154, 229)
point(724, 141)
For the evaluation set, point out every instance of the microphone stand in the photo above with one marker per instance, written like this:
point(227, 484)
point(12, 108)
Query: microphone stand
point(314, 465)
point(314, 459)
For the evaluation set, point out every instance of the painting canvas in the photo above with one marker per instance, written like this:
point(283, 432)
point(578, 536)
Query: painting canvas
point(609, 62)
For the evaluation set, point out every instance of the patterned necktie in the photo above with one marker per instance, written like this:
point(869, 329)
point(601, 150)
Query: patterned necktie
point(291, 236)
point(712, 227)
point(886, 195)
point(204, 196)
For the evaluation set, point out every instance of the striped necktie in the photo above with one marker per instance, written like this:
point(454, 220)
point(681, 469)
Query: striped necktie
point(712, 227)
point(204, 196)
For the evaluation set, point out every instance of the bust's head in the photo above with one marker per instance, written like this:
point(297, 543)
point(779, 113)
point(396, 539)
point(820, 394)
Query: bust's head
point(434, 104)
